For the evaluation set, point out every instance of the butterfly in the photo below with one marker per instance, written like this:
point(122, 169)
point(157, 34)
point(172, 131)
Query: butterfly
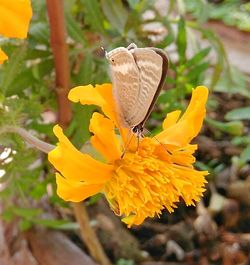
point(138, 75)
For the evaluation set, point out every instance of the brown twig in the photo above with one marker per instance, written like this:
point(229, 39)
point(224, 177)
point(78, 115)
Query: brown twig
point(61, 57)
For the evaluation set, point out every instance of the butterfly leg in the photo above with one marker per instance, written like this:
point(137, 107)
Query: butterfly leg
point(128, 141)
point(138, 131)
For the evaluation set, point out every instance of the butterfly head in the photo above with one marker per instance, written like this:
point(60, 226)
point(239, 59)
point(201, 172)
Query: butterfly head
point(118, 56)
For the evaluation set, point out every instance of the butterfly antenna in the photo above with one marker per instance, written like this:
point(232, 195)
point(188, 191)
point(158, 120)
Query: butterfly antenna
point(105, 51)
point(128, 141)
point(158, 141)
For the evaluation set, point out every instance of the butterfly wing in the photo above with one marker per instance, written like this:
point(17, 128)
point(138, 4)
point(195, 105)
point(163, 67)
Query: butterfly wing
point(152, 72)
point(126, 84)
point(137, 75)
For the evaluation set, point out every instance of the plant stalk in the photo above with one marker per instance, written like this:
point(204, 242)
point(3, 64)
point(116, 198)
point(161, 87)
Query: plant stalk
point(61, 58)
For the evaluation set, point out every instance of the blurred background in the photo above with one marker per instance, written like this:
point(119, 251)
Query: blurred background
point(208, 43)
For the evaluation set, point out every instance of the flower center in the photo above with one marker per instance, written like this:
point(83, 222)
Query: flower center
point(136, 186)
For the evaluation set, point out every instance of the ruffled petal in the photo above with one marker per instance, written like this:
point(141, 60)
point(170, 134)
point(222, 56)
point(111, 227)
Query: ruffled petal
point(74, 165)
point(3, 56)
point(15, 17)
point(189, 125)
point(100, 95)
point(75, 191)
point(104, 139)
point(197, 107)
point(171, 119)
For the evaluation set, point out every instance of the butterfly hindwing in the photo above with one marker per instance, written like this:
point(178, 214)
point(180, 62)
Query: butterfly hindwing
point(149, 64)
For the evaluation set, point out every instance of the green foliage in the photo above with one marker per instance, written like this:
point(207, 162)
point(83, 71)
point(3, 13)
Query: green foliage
point(245, 155)
point(232, 127)
point(181, 40)
point(231, 12)
point(27, 88)
point(93, 15)
point(115, 13)
point(238, 114)
point(125, 262)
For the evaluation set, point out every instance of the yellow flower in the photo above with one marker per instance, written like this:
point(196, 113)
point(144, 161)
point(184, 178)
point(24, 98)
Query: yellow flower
point(150, 177)
point(15, 17)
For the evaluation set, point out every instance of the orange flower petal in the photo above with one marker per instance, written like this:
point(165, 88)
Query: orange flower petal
point(197, 107)
point(104, 139)
point(3, 56)
point(74, 165)
point(171, 119)
point(75, 191)
point(189, 125)
point(100, 95)
point(15, 17)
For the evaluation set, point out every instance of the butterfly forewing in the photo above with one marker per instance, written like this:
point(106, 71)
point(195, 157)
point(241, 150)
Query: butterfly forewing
point(137, 75)
point(126, 82)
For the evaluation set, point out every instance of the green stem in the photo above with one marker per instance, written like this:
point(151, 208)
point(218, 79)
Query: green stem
point(29, 138)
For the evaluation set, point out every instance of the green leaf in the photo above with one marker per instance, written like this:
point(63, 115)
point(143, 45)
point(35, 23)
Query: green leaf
point(233, 127)
point(241, 140)
point(245, 155)
point(44, 128)
point(37, 53)
point(133, 3)
point(115, 13)
point(26, 212)
point(182, 40)
point(44, 68)
point(57, 224)
point(125, 262)
point(25, 224)
point(198, 57)
point(85, 74)
point(170, 37)
point(233, 82)
point(217, 72)
point(196, 71)
point(133, 25)
point(39, 32)
point(74, 29)
point(79, 127)
point(22, 81)
point(239, 114)
point(12, 67)
point(93, 15)
point(94, 199)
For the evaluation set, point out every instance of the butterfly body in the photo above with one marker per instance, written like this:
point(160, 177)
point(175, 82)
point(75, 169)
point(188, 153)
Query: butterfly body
point(137, 75)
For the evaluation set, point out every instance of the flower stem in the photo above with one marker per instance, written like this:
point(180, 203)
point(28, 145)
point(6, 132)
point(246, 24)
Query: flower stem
point(89, 235)
point(29, 138)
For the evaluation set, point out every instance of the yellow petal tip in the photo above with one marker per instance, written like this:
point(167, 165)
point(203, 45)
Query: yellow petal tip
point(75, 93)
point(57, 130)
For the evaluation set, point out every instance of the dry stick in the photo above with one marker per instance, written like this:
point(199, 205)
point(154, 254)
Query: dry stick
point(61, 57)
